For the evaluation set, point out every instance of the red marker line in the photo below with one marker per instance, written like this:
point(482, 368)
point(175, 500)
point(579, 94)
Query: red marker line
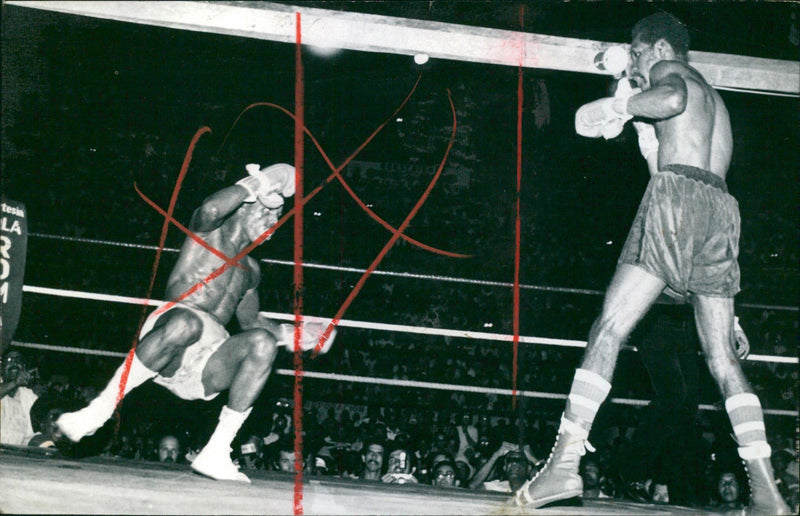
point(213, 250)
point(299, 157)
point(300, 129)
point(173, 200)
point(517, 242)
point(518, 222)
point(393, 239)
point(336, 174)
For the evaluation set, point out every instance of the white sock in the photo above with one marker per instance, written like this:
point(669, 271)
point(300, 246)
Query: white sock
point(230, 421)
point(137, 375)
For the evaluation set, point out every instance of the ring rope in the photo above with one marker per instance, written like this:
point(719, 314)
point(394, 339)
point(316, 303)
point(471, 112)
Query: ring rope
point(66, 349)
point(407, 275)
point(501, 337)
point(757, 92)
point(403, 383)
point(100, 242)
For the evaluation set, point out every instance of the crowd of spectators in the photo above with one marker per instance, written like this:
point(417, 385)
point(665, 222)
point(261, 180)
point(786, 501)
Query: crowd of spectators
point(444, 437)
point(447, 448)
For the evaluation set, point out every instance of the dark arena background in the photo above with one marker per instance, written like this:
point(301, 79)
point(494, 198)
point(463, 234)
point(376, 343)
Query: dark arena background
point(480, 314)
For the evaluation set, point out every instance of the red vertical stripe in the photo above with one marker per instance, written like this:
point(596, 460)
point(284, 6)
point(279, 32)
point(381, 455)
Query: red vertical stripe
point(187, 159)
point(299, 94)
point(518, 224)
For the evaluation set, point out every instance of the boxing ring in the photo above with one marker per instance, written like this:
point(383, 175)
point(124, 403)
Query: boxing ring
point(387, 327)
point(42, 481)
point(32, 482)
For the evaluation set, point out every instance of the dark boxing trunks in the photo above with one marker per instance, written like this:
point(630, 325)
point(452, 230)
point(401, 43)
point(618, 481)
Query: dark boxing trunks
point(686, 232)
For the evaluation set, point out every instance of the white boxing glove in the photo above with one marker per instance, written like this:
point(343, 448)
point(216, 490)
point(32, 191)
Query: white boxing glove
point(592, 117)
point(625, 90)
point(614, 128)
point(263, 184)
point(282, 176)
point(648, 143)
point(311, 334)
point(606, 117)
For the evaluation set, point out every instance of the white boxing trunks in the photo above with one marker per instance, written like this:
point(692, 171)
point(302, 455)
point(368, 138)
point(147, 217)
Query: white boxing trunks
point(187, 382)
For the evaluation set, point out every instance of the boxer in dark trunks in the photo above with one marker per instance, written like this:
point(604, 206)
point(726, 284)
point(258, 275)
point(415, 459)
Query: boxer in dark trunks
point(684, 241)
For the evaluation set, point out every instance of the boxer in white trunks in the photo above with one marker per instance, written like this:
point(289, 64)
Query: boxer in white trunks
point(186, 347)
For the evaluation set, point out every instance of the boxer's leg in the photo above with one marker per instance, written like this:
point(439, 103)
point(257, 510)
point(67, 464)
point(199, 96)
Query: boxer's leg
point(630, 295)
point(159, 349)
point(714, 317)
point(242, 364)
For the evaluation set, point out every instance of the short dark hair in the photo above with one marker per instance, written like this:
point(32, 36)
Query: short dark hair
point(446, 462)
point(514, 457)
point(370, 442)
point(663, 26)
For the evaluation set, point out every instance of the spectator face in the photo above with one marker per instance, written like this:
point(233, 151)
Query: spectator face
point(728, 488)
point(280, 424)
point(320, 466)
point(169, 448)
point(373, 459)
point(13, 364)
point(516, 470)
point(51, 427)
point(444, 476)
point(462, 469)
point(398, 462)
point(59, 383)
point(780, 460)
point(286, 461)
point(484, 446)
point(125, 447)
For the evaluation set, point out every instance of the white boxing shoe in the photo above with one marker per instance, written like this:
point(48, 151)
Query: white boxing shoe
point(218, 465)
point(77, 425)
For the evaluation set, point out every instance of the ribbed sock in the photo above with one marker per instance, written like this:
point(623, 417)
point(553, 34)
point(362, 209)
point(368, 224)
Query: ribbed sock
point(747, 420)
point(589, 390)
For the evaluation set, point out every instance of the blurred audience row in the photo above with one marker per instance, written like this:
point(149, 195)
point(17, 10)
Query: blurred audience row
point(447, 448)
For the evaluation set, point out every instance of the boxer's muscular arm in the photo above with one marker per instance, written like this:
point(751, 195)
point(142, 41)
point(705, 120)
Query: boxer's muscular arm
point(216, 207)
point(666, 97)
point(248, 312)
point(248, 308)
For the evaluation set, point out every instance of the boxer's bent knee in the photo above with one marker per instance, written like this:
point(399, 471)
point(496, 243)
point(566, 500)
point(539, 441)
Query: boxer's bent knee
point(180, 325)
point(261, 346)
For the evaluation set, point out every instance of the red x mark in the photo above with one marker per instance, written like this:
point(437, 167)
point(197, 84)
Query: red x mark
point(397, 233)
point(335, 174)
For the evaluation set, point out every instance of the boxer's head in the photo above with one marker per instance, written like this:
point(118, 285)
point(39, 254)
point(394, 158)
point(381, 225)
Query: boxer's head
point(662, 26)
point(656, 38)
point(257, 217)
